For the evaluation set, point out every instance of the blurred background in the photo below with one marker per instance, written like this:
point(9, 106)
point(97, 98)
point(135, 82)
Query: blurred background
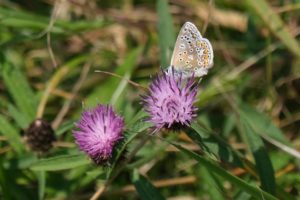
point(51, 49)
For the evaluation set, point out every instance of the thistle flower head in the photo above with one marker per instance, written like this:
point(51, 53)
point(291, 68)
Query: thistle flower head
point(98, 131)
point(170, 101)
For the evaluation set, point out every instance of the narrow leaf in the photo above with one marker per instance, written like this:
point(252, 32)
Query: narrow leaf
point(129, 135)
point(214, 168)
point(22, 19)
point(263, 124)
point(165, 32)
point(104, 92)
point(275, 24)
point(145, 189)
point(212, 184)
point(60, 163)
point(19, 89)
point(263, 163)
point(42, 184)
point(12, 134)
point(213, 144)
point(20, 118)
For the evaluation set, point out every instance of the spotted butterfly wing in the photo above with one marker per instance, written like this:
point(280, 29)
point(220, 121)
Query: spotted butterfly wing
point(192, 53)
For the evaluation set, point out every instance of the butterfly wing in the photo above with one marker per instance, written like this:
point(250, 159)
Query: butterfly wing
point(192, 53)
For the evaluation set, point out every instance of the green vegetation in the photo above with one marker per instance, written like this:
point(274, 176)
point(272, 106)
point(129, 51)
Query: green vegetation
point(60, 57)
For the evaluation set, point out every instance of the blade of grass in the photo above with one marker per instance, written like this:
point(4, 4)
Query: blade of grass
point(12, 134)
point(9, 186)
point(129, 135)
point(18, 116)
point(58, 76)
point(165, 32)
point(60, 163)
point(212, 144)
point(20, 90)
point(214, 168)
point(145, 188)
point(265, 128)
point(262, 124)
point(275, 24)
point(23, 19)
point(42, 184)
point(213, 185)
point(113, 87)
point(263, 163)
point(4, 185)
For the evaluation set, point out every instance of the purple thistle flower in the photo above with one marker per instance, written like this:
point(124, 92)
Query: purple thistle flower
point(99, 131)
point(170, 101)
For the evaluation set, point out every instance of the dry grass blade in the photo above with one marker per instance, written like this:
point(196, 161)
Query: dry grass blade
point(225, 18)
point(160, 183)
point(283, 147)
point(67, 104)
point(120, 77)
point(288, 8)
point(50, 87)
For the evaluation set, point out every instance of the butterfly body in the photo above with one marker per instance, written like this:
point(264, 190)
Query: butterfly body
point(193, 54)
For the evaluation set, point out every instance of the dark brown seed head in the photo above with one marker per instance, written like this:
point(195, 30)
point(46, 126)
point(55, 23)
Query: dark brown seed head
point(39, 136)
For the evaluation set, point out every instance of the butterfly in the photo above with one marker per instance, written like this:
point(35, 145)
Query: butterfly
point(192, 54)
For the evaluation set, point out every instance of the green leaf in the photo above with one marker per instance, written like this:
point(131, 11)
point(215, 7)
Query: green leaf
point(113, 87)
point(22, 19)
point(19, 117)
point(242, 196)
point(212, 144)
point(148, 153)
point(19, 89)
point(131, 133)
point(275, 24)
point(140, 115)
point(263, 163)
point(9, 188)
point(265, 128)
point(60, 163)
point(262, 124)
point(42, 184)
point(214, 168)
point(165, 32)
point(4, 185)
point(145, 189)
point(11, 134)
point(212, 184)
point(65, 127)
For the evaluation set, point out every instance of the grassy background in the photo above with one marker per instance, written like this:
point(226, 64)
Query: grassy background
point(246, 137)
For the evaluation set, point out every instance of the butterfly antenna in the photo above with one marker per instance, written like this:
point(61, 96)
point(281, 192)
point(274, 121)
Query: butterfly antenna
point(118, 76)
